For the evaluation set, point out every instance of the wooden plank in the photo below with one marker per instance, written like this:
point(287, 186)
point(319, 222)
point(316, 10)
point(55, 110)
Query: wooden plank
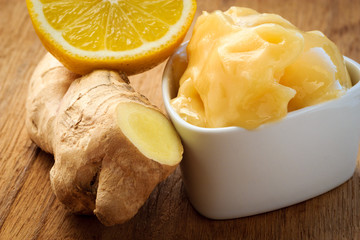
point(30, 208)
point(19, 51)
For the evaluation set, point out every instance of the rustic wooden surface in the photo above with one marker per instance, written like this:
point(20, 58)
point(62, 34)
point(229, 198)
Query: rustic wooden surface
point(29, 209)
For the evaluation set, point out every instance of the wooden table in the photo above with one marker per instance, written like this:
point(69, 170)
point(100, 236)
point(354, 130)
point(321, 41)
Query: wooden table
point(29, 209)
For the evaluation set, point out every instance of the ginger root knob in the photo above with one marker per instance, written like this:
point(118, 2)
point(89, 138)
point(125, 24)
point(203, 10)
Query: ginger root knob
point(111, 146)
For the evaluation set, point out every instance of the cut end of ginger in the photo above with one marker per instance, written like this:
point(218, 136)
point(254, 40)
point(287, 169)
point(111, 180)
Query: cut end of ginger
point(151, 132)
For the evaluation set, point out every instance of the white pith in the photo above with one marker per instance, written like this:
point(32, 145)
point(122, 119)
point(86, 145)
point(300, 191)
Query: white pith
point(148, 46)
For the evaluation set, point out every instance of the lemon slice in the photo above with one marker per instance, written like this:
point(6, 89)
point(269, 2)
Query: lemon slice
point(127, 35)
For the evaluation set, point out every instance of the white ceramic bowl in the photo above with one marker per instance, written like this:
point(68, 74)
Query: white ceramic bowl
point(232, 172)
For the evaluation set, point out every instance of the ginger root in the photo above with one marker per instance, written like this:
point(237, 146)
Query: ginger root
point(111, 146)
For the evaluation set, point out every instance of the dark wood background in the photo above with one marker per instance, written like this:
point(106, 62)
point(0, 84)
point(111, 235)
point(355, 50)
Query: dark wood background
point(29, 209)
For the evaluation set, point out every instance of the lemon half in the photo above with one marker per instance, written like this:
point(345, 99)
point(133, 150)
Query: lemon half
point(127, 35)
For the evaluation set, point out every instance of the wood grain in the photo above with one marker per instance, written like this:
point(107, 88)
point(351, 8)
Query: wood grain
point(29, 209)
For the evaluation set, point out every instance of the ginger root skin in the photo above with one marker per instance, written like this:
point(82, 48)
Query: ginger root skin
point(98, 169)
